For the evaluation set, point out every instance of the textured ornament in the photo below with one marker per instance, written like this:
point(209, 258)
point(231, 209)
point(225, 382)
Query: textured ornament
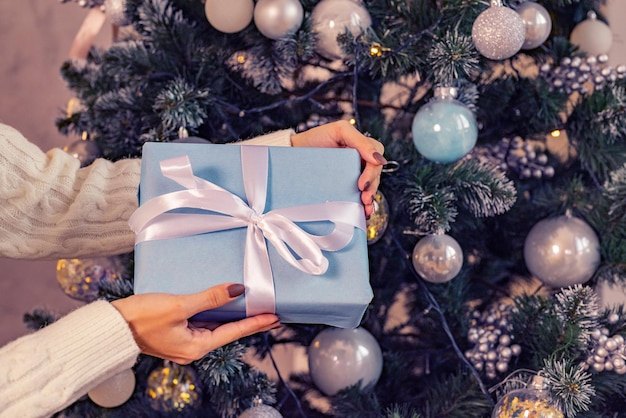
point(437, 258)
point(533, 401)
point(608, 353)
point(592, 36)
point(80, 278)
point(339, 358)
point(562, 251)
point(84, 150)
point(377, 223)
point(276, 19)
point(259, 410)
point(537, 22)
point(114, 391)
point(498, 32)
point(116, 11)
point(229, 17)
point(444, 129)
point(172, 387)
point(331, 18)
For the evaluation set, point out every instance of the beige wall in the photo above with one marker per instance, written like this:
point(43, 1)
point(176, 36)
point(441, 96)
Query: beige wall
point(35, 37)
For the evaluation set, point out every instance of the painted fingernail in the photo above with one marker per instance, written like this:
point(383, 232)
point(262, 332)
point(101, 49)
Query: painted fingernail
point(366, 185)
point(378, 157)
point(235, 290)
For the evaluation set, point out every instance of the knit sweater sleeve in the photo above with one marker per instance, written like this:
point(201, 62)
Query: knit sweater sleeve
point(48, 370)
point(51, 208)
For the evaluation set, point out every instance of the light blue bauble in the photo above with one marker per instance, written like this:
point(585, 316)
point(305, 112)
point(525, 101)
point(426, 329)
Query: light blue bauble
point(444, 130)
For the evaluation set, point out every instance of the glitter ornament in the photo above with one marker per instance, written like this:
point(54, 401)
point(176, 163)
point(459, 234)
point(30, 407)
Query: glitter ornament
point(172, 387)
point(562, 251)
point(339, 358)
point(437, 258)
point(276, 19)
point(331, 18)
point(114, 391)
point(84, 150)
point(116, 11)
point(592, 36)
point(259, 410)
point(377, 223)
point(444, 129)
point(537, 22)
point(498, 32)
point(80, 278)
point(229, 17)
point(533, 401)
point(493, 347)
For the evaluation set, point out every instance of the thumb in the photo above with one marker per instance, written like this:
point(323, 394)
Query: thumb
point(211, 298)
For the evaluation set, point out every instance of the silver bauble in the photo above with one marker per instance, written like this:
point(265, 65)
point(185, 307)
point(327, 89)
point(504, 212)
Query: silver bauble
point(562, 251)
point(229, 17)
point(114, 391)
point(592, 36)
point(261, 411)
point(276, 19)
point(116, 11)
point(498, 32)
point(437, 258)
point(339, 358)
point(537, 22)
point(331, 18)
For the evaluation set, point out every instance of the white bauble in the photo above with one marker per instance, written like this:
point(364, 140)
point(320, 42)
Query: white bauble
point(330, 18)
point(537, 22)
point(276, 19)
point(114, 391)
point(229, 17)
point(437, 258)
point(592, 36)
point(498, 32)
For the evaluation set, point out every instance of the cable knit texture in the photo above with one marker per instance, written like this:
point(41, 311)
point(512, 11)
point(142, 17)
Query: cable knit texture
point(48, 370)
point(52, 208)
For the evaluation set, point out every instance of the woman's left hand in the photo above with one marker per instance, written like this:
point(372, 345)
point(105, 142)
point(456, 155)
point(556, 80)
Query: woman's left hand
point(341, 134)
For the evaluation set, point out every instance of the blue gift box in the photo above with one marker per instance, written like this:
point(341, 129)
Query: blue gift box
point(295, 177)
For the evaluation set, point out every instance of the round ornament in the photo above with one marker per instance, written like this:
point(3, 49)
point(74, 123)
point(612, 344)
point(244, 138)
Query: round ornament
point(116, 11)
point(437, 258)
point(377, 223)
point(339, 358)
point(331, 18)
point(84, 150)
point(276, 19)
point(114, 391)
point(592, 36)
point(229, 17)
point(80, 278)
point(533, 401)
point(172, 387)
point(537, 22)
point(444, 129)
point(498, 32)
point(562, 251)
point(259, 410)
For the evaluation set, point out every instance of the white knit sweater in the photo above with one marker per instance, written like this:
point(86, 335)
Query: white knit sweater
point(51, 208)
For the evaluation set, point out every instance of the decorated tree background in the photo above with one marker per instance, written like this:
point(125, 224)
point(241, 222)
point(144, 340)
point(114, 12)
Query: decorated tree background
point(500, 211)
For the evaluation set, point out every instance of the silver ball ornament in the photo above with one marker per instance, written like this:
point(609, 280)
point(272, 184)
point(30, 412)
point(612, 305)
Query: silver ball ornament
point(437, 258)
point(276, 19)
point(331, 18)
point(116, 11)
point(339, 358)
point(114, 391)
point(592, 36)
point(261, 411)
point(498, 32)
point(537, 22)
point(229, 17)
point(562, 251)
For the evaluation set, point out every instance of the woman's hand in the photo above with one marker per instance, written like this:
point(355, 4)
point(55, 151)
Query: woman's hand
point(159, 322)
point(342, 134)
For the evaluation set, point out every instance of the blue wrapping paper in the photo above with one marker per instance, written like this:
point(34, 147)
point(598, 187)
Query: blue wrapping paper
point(296, 176)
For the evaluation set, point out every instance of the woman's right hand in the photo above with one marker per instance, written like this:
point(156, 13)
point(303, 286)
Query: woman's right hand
point(159, 322)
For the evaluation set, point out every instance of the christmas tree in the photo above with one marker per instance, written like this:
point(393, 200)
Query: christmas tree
point(498, 216)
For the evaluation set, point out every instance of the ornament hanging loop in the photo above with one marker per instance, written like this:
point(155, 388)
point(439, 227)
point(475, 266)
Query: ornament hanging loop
point(496, 3)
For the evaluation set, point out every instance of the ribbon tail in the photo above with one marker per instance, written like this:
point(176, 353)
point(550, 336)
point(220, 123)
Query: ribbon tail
point(257, 275)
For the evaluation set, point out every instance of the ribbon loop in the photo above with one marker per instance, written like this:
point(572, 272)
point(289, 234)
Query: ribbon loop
point(153, 220)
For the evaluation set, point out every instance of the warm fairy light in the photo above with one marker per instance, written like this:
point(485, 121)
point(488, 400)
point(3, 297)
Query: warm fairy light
point(556, 133)
point(241, 59)
point(352, 121)
point(375, 51)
